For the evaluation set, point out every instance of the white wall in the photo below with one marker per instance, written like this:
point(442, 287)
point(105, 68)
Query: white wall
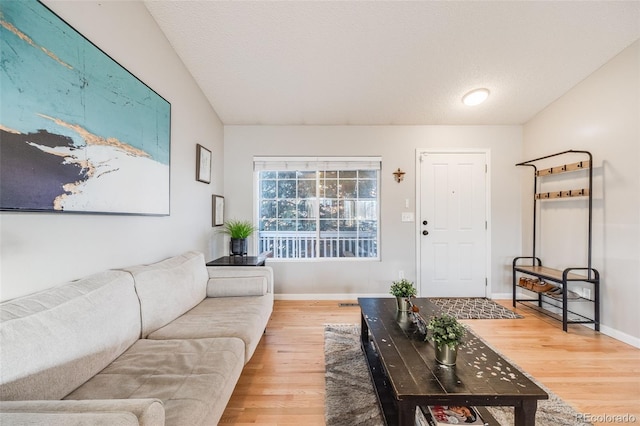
point(601, 115)
point(397, 146)
point(39, 250)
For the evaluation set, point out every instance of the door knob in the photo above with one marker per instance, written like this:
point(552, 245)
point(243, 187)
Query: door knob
point(424, 222)
point(425, 232)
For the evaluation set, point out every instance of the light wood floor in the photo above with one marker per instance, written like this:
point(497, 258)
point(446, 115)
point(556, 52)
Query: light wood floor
point(283, 384)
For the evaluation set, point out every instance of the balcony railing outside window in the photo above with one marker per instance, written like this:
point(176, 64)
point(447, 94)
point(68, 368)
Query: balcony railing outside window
point(307, 245)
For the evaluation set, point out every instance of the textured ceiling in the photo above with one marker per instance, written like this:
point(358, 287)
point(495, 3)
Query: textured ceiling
point(391, 62)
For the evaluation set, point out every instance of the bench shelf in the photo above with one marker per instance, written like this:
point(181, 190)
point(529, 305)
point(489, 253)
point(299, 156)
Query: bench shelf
point(565, 302)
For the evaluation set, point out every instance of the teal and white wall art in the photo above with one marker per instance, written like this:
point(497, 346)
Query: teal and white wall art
point(78, 132)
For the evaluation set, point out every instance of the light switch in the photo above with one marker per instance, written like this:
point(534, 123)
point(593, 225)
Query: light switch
point(407, 216)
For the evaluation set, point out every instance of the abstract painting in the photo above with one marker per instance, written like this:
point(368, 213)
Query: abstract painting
point(78, 132)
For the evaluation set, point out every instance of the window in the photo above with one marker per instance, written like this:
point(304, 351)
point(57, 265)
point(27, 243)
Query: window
point(312, 208)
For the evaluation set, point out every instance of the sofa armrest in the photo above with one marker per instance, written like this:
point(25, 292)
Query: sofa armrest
point(145, 412)
point(228, 281)
point(115, 418)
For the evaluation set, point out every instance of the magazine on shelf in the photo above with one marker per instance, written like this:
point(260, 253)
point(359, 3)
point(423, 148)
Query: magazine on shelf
point(442, 415)
point(420, 419)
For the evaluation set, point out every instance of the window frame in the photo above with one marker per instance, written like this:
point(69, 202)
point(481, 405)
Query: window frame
point(318, 164)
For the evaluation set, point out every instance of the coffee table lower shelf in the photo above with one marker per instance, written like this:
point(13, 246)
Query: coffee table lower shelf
point(385, 395)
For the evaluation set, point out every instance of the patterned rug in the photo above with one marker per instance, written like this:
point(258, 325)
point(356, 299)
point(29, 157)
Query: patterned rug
point(351, 401)
point(473, 308)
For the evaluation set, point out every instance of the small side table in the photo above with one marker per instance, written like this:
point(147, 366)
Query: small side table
point(238, 261)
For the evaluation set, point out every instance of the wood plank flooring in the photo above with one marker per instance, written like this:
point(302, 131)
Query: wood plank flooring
point(283, 384)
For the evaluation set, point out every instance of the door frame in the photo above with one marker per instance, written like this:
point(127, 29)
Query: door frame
point(418, 222)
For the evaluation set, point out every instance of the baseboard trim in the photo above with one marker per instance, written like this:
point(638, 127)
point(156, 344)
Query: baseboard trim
point(325, 296)
point(351, 296)
point(619, 335)
point(501, 296)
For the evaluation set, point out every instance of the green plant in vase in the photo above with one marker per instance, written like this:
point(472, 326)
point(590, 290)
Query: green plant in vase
point(239, 231)
point(446, 332)
point(403, 290)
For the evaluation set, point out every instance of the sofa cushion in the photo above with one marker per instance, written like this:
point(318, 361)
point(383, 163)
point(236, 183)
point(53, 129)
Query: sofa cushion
point(238, 286)
point(239, 281)
point(169, 288)
point(193, 378)
point(242, 317)
point(53, 341)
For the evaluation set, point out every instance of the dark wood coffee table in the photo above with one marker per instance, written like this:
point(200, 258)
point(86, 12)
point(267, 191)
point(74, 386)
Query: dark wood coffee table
point(406, 374)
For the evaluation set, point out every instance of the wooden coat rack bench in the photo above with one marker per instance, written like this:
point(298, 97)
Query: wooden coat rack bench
point(525, 266)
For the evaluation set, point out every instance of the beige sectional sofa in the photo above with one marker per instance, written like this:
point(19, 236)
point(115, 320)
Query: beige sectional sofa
point(147, 345)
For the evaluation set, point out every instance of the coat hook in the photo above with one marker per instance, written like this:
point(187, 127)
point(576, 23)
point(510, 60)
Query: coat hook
point(399, 175)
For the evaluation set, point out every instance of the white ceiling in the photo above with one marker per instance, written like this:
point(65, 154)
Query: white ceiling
point(391, 62)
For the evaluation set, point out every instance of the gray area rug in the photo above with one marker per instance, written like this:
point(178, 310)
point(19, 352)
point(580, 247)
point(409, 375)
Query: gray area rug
point(351, 401)
point(473, 308)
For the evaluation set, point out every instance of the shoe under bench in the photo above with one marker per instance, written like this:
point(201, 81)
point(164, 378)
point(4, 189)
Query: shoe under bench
point(564, 308)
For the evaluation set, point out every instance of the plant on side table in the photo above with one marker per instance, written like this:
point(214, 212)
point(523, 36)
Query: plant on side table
point(239, 231)
point(446, 333)
point(403, 290)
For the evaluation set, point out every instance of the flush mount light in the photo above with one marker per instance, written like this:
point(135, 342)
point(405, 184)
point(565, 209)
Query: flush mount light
point(475, 97)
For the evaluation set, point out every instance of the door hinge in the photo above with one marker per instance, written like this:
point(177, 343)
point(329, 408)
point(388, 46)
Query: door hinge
point(486, 225)
point(486, 169)
point(486, 282)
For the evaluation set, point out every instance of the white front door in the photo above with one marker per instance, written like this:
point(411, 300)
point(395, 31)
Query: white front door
point(453, 224)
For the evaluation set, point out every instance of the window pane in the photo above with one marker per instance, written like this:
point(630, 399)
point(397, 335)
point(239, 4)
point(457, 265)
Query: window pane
point(268, 209)
point(268, 188)
point(268, 175)
point(307, 175)
point(344, 174)
point(349, 227)
point(367, 174)
point(328, 209)
point(306, 209)
point(347, 209)
point(307, 225)
point(329, 188)
point(366, 210)
point(287, 174)
point(348, 188)
point(286, 225)
point(268, 225)
point(328, 225)
point(287, 188)
point(286, 209)
point(367, 189)
point(368, 228)
point(306, 188)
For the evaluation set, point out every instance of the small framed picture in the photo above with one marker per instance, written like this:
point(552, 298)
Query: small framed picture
point(217, 213)
point(203, 164)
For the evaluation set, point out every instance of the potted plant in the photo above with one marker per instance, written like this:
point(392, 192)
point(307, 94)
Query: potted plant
point(403, 290)
point(239, 231)
point(446, 333)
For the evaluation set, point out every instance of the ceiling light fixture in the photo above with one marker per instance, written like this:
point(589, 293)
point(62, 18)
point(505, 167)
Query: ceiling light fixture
point(475, 97)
